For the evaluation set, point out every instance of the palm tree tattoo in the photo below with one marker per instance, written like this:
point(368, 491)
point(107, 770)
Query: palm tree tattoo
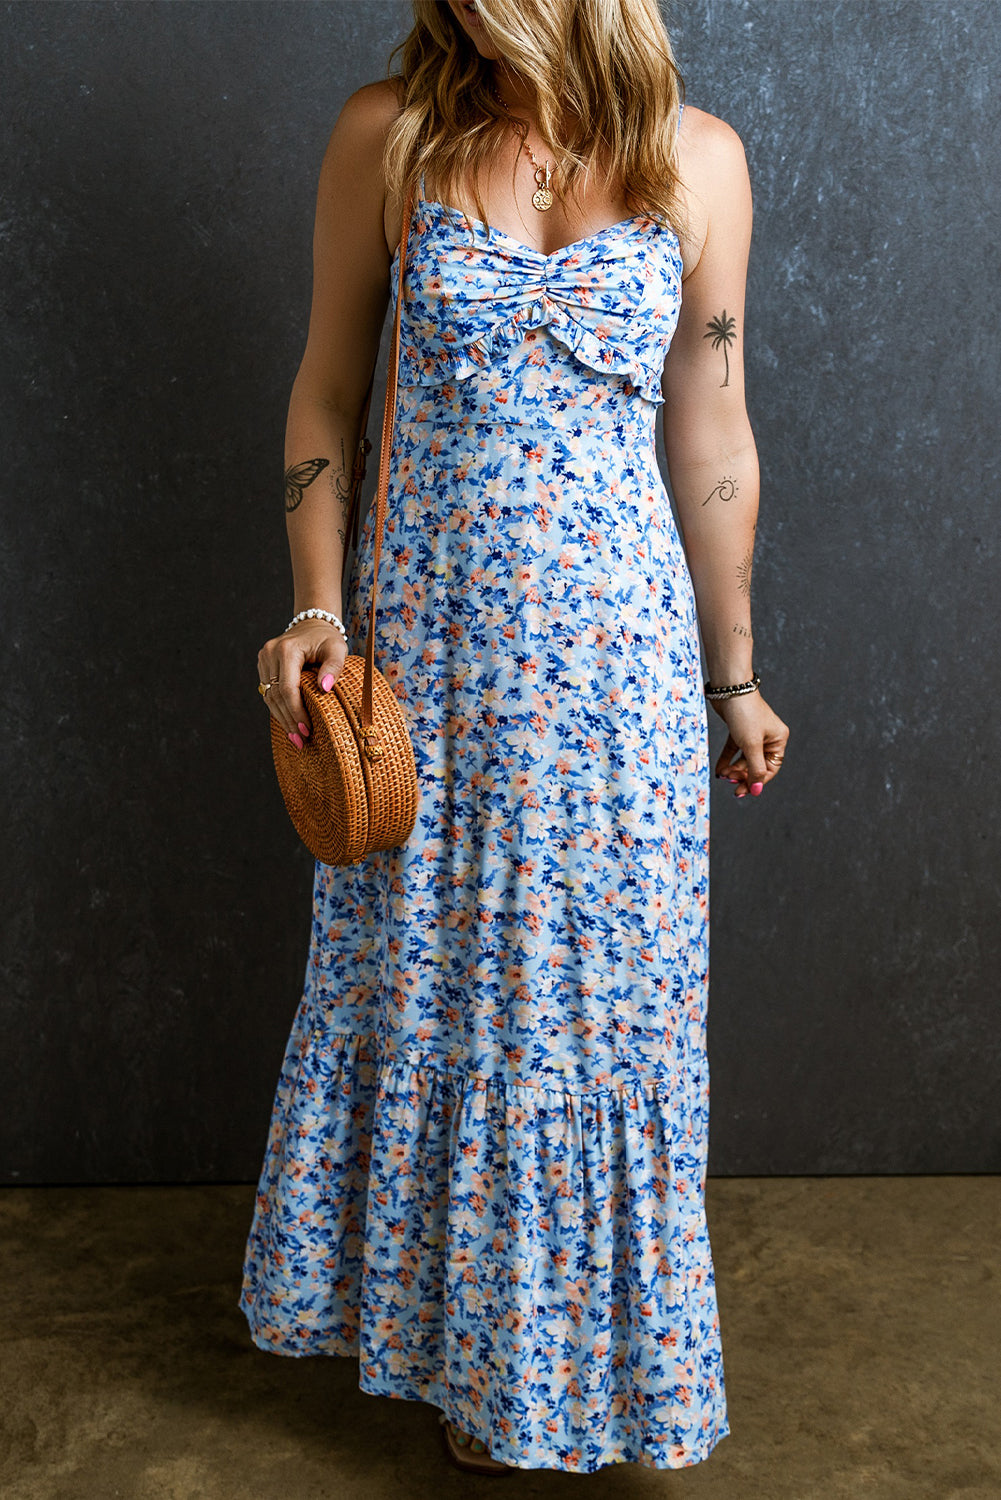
point(722, 330)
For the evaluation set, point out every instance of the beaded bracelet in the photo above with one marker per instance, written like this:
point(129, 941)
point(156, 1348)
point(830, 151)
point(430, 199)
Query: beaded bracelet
point(734, 690)
point(316, 614)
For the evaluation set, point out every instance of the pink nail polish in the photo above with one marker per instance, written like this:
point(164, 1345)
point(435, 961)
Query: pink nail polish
point(304, 730)
point(297, 742)
point(327, 682)
point(757, 788)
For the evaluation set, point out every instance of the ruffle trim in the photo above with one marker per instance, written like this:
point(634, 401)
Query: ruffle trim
point(533, 1261)
point(458, 362)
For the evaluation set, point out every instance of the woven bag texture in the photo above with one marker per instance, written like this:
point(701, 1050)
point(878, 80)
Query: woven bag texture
point(346, 803)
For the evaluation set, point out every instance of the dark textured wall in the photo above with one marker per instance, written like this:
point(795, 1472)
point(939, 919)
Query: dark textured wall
point(160, 164)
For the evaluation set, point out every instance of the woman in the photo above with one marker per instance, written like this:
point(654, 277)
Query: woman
point(486, 1168)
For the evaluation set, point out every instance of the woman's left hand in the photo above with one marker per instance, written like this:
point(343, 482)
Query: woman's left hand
point(757, 739)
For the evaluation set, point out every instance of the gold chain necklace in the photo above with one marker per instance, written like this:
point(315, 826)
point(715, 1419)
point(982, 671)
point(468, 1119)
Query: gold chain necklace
point(543, 195)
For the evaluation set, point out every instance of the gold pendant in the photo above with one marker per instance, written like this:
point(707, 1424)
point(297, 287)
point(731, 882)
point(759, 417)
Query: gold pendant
point(543, 197)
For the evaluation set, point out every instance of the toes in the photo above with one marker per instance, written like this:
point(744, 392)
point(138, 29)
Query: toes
point(466, 1440)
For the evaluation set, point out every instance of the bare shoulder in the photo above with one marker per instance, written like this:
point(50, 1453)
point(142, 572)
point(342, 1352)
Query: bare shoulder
point(707, 145)
point(352, 180)
point(713, 176)
point(377, 102)
point(366, 116)
point(351, 254)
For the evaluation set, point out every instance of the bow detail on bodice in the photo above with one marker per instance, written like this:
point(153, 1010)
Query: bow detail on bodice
point(612, 299)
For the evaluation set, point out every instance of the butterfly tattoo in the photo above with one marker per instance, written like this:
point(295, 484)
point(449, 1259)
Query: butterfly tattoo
point(299, 477)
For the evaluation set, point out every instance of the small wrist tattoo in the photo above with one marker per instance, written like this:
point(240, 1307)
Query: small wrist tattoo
point(743, 630)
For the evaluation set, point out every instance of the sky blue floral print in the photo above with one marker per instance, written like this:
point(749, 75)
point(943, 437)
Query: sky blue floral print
point(486, 1164)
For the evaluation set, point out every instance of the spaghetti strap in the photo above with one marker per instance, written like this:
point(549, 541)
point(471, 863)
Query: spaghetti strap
point(421, 189)
point(681, 111)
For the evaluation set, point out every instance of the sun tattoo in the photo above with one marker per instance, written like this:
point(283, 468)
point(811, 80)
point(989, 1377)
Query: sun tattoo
point(725, 490)
point(744, 575)
point(722, 330)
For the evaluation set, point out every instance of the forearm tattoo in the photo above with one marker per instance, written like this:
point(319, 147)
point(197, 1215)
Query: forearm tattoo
point(723, 332)
point(743, 630)
point(725, 490)
point(744, 575)
point(299, 477)
point(340, 488)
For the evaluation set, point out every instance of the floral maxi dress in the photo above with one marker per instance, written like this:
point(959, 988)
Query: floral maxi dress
point(486, 1165)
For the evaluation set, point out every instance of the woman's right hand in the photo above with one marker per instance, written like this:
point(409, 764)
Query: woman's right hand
point(281, 660)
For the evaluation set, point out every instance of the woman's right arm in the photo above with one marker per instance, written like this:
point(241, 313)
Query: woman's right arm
point(351, 267)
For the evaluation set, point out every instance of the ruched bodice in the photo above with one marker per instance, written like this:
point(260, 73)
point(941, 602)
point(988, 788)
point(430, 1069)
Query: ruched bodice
point(470, 297)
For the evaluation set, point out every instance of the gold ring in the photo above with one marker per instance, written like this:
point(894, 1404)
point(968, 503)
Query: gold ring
point(263, 687)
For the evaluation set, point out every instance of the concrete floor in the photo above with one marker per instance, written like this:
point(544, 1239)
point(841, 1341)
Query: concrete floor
point(861, 1342)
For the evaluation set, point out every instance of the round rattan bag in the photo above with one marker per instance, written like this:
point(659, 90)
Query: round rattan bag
point(352, 788)
point(348, 791)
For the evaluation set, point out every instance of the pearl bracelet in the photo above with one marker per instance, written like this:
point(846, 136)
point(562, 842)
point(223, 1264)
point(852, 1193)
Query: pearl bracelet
point(317, 614)
point(734, 690)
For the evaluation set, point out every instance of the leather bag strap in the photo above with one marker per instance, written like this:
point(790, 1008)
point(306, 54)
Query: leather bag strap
point(358, 468)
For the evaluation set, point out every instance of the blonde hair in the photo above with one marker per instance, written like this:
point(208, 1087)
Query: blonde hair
point(608, 94)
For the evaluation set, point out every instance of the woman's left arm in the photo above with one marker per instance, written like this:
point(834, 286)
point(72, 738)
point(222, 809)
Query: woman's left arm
point(711, 457)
